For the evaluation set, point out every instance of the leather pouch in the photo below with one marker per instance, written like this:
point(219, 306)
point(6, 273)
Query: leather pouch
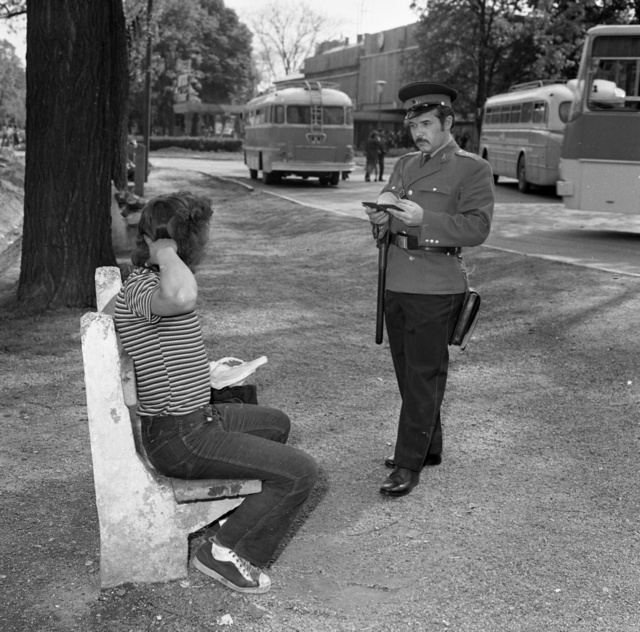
point(467, 320)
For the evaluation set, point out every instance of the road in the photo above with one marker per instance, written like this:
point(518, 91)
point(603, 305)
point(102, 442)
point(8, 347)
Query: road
point(536, 225)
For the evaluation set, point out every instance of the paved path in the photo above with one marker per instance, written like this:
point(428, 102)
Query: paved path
point(537, 225)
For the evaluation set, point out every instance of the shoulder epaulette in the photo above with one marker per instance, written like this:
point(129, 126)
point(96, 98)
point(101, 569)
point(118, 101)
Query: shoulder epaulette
point(467, 154)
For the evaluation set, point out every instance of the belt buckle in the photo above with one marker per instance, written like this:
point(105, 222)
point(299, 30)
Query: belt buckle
point(402, 241)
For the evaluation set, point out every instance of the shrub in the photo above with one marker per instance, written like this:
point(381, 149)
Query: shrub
point(195, 143)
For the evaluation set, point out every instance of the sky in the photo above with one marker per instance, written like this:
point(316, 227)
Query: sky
point(355, 17)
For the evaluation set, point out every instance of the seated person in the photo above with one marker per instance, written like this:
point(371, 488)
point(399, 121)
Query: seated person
point(183, 433)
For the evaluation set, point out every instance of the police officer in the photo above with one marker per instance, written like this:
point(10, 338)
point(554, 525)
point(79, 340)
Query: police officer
point(443, 198)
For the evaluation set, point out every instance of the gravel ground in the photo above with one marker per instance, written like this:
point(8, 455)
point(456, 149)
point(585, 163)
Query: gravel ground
point(530, 524)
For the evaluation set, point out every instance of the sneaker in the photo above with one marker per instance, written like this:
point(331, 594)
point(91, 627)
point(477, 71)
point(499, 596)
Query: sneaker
point(230, 569)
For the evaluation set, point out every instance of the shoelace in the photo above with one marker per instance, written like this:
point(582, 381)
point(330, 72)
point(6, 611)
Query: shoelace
point(243, 566)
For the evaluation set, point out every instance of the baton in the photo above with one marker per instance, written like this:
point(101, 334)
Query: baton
point(383, 246)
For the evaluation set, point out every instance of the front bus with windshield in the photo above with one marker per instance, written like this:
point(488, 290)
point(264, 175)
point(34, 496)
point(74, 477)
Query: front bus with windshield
point(600, 163)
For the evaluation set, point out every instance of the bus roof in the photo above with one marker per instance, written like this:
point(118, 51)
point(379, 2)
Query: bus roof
point(559, 90)
point(615, 29)
point(301, 96)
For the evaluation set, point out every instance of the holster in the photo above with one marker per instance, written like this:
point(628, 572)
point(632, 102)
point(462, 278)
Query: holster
point(467, 320)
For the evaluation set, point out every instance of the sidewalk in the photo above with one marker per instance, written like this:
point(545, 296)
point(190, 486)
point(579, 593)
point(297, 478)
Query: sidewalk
point(529, 524)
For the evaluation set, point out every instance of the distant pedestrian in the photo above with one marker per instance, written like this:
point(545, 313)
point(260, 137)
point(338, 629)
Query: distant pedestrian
point(382, 150)
point(372, 150)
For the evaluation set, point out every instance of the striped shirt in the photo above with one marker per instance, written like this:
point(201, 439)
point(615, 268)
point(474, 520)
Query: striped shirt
point(171, 364)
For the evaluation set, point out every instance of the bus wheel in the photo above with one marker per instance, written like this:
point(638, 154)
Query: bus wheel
point(523, 185)
point(334, 179)
point(269, 177)
point(253, 174)
point(324, 180)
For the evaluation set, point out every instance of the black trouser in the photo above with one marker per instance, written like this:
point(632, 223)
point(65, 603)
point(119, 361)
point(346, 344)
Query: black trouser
point(419, 327)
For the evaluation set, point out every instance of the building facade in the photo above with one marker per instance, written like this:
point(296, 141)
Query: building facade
point(371, 72)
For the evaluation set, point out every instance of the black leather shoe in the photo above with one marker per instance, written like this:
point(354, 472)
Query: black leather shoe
point(400, 482)
point(429, 461)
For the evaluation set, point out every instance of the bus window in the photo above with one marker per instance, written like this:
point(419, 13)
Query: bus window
point(527, 112)
point(279, 114)
point(539, 112)
point(298, 114)
point(349, 116)
point(614, 84)
point(504, 114)
point(333, 115)
point(256, 117)
point(516, 111)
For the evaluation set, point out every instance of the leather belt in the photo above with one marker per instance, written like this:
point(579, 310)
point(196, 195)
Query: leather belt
point(410, 242)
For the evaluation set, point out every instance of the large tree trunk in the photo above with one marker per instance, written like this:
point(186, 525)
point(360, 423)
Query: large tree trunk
point(76, 141)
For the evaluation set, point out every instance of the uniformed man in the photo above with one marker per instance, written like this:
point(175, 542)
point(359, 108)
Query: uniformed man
point(444, 201)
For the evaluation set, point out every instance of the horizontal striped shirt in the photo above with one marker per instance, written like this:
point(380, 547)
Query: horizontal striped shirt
point(171, 364)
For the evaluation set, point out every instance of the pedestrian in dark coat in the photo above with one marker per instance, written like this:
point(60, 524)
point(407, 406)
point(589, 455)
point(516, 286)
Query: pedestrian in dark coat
point(372, 149)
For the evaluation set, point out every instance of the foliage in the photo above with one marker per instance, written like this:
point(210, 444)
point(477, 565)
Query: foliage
point(195, 143)
point(12, 86)
point(12, 8)
point(199, 38)
point(288, 32)
point(484, 46)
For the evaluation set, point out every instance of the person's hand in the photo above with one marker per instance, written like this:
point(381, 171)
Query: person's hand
point(387, 198)
point(377, 217)
point(411, 214)
point(156, 247)
point(381, 217)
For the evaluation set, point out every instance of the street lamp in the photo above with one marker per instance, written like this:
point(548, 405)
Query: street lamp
point(380, 84)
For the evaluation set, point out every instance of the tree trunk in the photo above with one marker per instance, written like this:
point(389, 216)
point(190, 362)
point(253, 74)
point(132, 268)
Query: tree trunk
point(76, 128)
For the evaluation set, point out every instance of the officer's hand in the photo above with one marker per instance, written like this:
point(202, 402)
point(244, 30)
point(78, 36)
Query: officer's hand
point(410, 214)
point(387, 198)
point(377, 217)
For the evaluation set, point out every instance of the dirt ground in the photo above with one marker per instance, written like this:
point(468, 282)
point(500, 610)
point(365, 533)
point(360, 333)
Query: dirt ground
point(530, 523)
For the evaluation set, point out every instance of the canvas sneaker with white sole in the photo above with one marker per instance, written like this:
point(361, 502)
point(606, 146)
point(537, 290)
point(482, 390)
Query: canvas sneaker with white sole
point(230, 569)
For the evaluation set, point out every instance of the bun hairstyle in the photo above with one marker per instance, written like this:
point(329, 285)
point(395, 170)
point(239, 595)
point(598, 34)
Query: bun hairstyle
point(183, 217)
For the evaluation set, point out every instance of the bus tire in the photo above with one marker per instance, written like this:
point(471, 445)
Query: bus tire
point(324, 180)
point(253, 174)
point(523, 185)
point(270, 177)
point(334, 179)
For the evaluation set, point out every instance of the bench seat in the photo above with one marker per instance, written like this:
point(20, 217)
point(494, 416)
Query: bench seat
point(145, 518)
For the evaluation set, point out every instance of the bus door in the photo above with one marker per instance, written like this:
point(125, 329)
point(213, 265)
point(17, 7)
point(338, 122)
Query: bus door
point(537, 159)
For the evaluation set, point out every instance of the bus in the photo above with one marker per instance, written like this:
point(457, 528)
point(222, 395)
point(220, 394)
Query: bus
point(600, 162)
point(522, 132)
point(301, 129)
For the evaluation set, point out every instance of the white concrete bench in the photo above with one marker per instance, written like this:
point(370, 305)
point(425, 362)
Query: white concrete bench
point(145, 518)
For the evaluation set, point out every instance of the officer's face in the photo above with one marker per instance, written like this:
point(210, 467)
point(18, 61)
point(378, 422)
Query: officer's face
point(428, 133)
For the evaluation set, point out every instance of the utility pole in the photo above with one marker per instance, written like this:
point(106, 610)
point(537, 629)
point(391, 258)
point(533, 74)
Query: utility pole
point(380, 84)
point(147, 92)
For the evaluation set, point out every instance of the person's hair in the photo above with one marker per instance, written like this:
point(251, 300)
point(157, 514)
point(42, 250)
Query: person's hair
point(442, 111)
point(183, 217)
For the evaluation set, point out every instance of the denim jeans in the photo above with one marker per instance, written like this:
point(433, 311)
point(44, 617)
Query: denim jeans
point(419, 327)
point(238, 441)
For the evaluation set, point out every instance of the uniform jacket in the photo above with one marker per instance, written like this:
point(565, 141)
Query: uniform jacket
point(455, 189)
